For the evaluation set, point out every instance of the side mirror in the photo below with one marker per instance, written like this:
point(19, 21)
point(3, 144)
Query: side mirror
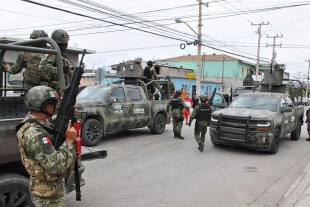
point(219, 105)
point(286, 109)
point(113, 100)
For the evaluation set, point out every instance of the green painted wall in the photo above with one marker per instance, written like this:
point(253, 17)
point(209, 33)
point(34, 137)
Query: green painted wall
point(214, 68)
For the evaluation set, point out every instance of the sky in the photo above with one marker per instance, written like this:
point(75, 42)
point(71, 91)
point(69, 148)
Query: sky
point(126, 29)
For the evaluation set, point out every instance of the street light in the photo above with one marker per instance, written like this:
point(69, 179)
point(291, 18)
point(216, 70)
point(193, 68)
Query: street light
point(198, 48)
point(178, 20)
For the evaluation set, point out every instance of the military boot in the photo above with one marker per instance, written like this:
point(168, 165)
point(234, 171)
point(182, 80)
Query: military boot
point(308, 139)
point(180, 136)
point(175, 135)
point(202, 146)
point(199, 147)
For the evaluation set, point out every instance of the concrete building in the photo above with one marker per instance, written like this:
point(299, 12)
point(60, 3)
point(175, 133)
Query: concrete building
point(216, 70)
point(222, 71)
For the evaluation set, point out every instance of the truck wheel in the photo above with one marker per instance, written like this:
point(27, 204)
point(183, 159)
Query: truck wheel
point(159, 124)
point(91, 132)
point(275, 142)
point(295, 135)
point(215, 143)
point(14, 191)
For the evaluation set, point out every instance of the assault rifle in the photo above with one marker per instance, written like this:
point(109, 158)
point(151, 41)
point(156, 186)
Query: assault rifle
point(66, 112)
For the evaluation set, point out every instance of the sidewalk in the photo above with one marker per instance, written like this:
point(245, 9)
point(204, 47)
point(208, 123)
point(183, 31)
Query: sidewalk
point(299, 193)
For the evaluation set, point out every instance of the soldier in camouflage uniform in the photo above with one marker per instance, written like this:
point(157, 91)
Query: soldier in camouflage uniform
point(29, 61)
point(202, 114)
point(171, 84)
point(177, 104)
point(308, 123)
point(150, 74)
point(49, 75)
point(45, 165)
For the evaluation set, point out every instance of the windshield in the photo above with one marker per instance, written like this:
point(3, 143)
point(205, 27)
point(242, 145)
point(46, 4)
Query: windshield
point(93, 92)
point(256, 102)
point(239, 91)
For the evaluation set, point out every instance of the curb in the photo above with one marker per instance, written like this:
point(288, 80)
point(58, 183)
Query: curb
point(293, 194)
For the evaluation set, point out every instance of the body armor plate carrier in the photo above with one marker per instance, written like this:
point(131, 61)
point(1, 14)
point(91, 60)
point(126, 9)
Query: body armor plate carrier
point(175, 103)
point(147, 72)
point(32, 72)
point(204, 113)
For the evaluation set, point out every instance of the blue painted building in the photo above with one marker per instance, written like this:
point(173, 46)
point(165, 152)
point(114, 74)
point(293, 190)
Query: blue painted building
point(220, 71)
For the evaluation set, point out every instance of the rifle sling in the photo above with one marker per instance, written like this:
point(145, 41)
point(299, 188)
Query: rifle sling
point(50, 131)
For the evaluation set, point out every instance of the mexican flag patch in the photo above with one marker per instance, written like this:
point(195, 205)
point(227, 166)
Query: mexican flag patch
point(45, 140)
point(52, 94)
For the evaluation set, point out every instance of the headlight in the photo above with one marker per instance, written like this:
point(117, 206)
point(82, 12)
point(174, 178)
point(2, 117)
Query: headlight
point(78, 108)
point(214, 119)
point(264, 126)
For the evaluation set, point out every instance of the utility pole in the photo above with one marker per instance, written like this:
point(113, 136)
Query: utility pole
point(307, 79)
point(198, 75)
point(274, 45)
point(223, 72)
point(258, 48)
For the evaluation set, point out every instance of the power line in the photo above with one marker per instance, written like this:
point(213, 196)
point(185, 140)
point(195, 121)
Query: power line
point(139, 48)
point(82, 15)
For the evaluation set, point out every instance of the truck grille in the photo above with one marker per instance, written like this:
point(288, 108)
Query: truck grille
point(236, 128)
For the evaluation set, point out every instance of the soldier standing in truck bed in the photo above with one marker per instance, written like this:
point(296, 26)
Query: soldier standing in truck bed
point(151, 75)
point(30, 61)
point(49, 74)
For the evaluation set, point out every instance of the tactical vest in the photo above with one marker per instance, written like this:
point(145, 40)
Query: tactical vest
point(147, 72)
point(31, 74)
point(204, 112)
point(175, 103)
point(67, 70)
point(44, 184)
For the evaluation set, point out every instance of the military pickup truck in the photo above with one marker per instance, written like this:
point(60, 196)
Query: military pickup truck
point(259, 120)
point(14, 180)
point(124, 105)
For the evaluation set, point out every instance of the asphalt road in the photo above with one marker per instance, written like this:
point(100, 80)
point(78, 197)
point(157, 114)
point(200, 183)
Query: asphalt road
point(158, 170)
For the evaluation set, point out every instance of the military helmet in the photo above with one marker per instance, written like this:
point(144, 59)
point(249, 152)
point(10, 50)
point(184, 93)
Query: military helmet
point(60, 36)
point(178, 92)
point(38, 34)
point(150, 63)
point(168, 76)
point(38, 97)
point(203, 98)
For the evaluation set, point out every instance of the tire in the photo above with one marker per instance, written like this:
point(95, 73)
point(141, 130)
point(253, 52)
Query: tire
point(159, 124)
point(275, 142)
point(295, 135)
point(215, 144)
point(14, 191)
point(91, 132)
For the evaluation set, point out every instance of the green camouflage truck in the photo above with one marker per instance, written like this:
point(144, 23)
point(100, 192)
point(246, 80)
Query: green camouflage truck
point(126, 104)
point(14, 180)
point(259, 120)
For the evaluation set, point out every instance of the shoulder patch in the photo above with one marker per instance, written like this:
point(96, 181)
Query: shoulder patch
point(45, 140)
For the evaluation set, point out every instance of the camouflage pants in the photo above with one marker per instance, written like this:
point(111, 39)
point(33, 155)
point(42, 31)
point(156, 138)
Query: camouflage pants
point(47, 202)
point(177, 120)
point(200, 131)
point(57, 201)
